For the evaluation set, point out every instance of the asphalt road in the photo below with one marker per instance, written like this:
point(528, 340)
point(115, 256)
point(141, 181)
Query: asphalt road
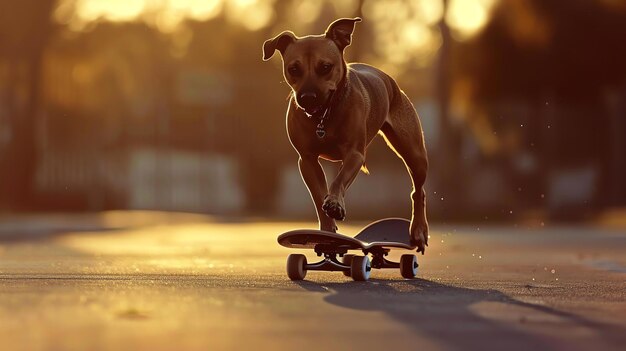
point(154, 281)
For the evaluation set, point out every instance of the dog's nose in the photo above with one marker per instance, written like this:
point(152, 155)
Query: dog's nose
point(308, 99)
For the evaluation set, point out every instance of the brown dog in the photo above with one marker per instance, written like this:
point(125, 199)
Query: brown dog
point(334, 112)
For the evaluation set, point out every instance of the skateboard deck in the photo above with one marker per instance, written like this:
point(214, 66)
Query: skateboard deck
point(310, 238)
point(389, 232)
point(385, 233)
point(376, 239)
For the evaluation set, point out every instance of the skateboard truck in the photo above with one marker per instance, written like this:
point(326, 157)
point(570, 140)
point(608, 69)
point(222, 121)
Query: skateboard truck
point(329, 263)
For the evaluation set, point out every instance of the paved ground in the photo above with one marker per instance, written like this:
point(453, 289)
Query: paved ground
point(153, 281)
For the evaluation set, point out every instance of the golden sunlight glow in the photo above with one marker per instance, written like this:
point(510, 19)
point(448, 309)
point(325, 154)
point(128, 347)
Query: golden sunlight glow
point(430, 11)
point(171, 13)
point(166, 14)
point(185, 245)
point(113, 10)
point(252, 14)
point(345, 8)
point(307, 11)
point(196, 9)
point(396, 17)
point(403, 28)
point(467, 17)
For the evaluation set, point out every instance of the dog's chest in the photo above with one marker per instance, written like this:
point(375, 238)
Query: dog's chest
point(330, 145)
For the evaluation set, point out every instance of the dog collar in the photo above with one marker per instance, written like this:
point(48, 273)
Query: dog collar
point(321, 116)
point(320, 131)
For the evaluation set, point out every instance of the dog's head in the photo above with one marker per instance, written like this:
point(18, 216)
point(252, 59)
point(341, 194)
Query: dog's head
point(313, 65)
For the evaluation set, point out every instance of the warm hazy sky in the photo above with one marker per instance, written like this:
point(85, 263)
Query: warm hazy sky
point(466, 16)
point(405, 29)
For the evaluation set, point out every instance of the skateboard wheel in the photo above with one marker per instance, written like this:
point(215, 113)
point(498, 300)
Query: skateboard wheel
point(347, 260)
point(408, 266)
point(360, 268)
point(296, 266)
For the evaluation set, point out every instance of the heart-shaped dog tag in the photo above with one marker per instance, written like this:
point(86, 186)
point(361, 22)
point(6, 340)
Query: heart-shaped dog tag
point(320, 133)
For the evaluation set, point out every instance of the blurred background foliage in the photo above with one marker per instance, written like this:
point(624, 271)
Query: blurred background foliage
point(166, 104)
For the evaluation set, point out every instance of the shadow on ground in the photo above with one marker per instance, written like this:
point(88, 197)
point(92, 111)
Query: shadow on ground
point(447, 314)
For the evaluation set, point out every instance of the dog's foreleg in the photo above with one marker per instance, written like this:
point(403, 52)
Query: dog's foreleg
point(334, 205)
point(313, 175)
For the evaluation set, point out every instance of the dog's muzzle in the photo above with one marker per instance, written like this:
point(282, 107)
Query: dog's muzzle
point(310, 103)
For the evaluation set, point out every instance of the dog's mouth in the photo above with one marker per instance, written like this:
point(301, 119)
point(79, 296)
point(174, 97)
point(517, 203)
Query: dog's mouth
point(314, 110)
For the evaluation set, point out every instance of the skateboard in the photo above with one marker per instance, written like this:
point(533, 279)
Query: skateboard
point(376, 239)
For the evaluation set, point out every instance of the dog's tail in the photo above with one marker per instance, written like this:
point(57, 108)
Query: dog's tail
point(364, 169)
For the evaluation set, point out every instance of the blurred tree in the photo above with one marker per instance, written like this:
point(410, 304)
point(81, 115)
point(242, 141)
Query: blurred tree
point(25, 30)
point(448, 163)
point(247, 122)
point(560, 59)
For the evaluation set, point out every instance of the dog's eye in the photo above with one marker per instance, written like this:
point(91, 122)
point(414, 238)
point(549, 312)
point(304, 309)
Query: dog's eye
point(294, 70)
point(325, 68)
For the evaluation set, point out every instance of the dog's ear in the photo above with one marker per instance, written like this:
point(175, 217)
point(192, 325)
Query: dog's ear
point(341, 30)
point(279, 42)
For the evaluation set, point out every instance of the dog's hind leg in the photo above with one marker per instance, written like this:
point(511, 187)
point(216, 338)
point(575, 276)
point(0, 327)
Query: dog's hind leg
point(404, 135)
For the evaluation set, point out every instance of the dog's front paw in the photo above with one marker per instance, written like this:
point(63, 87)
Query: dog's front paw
point(419, 236)
point(333, 207)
